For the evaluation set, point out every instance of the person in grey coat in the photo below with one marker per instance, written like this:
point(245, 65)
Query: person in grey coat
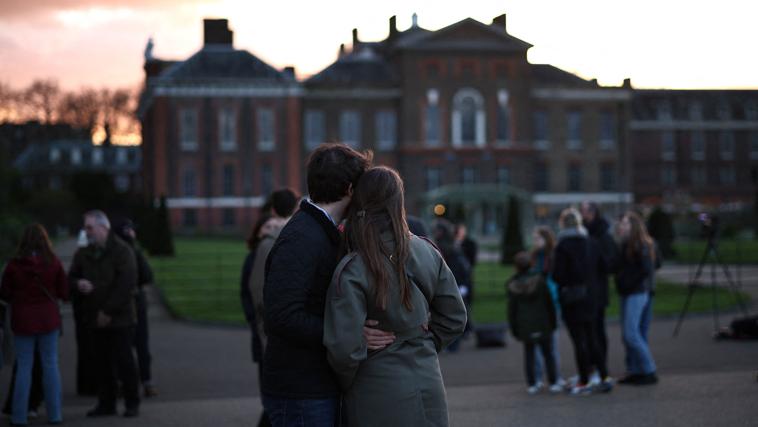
point(402, 281)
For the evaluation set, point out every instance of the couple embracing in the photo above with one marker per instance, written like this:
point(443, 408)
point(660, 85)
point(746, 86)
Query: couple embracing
point(355, 319)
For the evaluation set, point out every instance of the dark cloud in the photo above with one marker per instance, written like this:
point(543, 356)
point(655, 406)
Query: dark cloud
point(18, 9)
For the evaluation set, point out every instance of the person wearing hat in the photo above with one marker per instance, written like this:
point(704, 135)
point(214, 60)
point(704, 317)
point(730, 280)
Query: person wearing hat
point(128, 232)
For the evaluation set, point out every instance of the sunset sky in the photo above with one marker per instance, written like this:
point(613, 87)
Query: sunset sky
point(658, 43)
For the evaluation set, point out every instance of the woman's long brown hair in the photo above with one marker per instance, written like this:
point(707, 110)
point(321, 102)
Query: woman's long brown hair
point(35, 241)
point(378, 205)
point(638, 237)
point(547, 234)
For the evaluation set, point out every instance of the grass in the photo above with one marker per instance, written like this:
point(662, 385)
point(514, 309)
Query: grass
point(202, 283)
point(490, 299)
point(732, 251)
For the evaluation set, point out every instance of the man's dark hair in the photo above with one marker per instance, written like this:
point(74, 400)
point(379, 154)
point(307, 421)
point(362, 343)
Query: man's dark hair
point(332, 168)
point(283, 202)
point(522, 261)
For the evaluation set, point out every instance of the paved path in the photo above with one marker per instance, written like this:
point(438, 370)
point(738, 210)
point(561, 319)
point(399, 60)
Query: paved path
point(206, 378)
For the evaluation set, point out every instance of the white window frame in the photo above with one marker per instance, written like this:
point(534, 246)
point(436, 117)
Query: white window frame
point(727, 145)
point(542, 144)
point(572, 142)
point(385, 122)
point(503, 106)
point(315, 122)
point(121, 156)
point(189, 184)
point(480, 118)
point(432, 101)
point(76, 156)
point(97, 156)
point(607, 142)
point(502, 171)
point(350, 127)
point(188, 129)
point(668, 153)
point(227, 129)
point(266, 120)
point(54, 155)
point(697, 141)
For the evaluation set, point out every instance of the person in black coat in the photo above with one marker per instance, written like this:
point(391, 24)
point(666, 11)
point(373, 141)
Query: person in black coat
point(444, 237)
point(598, 229)
point(127, 232)
point(298, 383)
point(634, 283)
point(576, 262)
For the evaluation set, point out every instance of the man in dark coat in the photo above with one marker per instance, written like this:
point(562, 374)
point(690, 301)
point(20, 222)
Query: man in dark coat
point(104, 276)
point(127, 232)
point(599, 231)
point(298, 383)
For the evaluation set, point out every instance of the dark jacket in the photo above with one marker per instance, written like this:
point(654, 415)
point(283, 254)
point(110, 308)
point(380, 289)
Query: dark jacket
point(531, 313)
point(113, 273)
point(599, 232)
point(576, 263)
point(635, 273)
point(298, 271)
point(32, 310)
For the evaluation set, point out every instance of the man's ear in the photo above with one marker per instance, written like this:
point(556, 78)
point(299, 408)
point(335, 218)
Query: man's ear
point(350, 190)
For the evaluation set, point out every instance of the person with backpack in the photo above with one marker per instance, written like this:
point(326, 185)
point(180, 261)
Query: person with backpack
point(532, 319)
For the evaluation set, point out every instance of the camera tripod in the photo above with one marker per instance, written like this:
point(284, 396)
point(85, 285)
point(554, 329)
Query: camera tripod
point(711, 253)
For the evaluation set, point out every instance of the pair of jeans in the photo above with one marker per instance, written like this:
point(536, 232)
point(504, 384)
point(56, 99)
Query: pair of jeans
point(546, 346)
point(283, 412)
point(539, 357)
point(142, 338)
point(587, 350)
point(51, 377)
point(635, 315)
point(113, 347)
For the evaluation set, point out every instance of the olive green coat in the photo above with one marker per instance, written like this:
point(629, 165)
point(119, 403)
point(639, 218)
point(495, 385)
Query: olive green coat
point(400, 385)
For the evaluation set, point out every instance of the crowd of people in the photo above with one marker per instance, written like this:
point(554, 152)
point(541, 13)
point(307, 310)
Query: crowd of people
point(348, 308)
point(105, 284)
point(568, 277)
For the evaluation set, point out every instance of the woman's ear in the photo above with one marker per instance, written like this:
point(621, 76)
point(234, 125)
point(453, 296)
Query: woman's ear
point(350, 190)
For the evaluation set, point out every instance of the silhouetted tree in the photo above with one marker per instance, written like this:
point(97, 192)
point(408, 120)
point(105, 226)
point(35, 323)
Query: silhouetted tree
point(164, 240)
point(42, 99)
point(661, 229)
point(513, 241)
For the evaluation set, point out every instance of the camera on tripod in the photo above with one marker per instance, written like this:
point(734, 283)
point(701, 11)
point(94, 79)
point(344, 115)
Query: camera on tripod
point(709, 225)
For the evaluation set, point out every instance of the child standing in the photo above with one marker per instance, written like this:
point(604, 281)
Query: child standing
point(531, 315)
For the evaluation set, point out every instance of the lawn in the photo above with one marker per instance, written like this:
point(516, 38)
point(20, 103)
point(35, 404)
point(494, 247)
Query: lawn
point(202, 283)
point(732, 251)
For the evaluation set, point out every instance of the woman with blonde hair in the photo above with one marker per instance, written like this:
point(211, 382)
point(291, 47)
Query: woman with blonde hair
point(575, 262)
point(33, 283)
point(402, 281)
point(634, 284)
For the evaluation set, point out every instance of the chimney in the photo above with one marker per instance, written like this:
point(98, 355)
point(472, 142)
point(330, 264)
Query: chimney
point(414, 20)
point(342, 50)
point(393, 26)
point(627, 83)
point(356, 42)
point(289, 72)
point(499, 21)
point(217, 32)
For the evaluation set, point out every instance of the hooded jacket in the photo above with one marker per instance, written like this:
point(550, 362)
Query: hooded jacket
point(608, 252)
point(531, 313)
point(32, 310)
point(576, 263)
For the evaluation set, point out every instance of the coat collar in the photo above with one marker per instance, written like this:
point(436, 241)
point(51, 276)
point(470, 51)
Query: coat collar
point(329, 228)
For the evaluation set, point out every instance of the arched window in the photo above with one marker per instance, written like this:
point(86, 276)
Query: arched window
point(468, 119)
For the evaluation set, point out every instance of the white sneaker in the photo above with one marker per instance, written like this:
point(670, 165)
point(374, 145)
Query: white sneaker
point(573, 381)
point(561, 382)
point(594, 379)
point(556, 388)
point(534, 389)
point(581, 390)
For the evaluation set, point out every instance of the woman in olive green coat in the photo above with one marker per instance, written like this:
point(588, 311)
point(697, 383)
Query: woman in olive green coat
point(402, 282)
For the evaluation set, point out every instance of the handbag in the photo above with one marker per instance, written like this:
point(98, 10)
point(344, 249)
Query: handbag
point(38, 282)
point(573, 294)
